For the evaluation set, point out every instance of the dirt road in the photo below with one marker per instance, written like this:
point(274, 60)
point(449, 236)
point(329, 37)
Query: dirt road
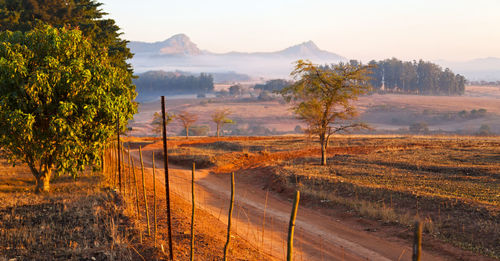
point(264, 223)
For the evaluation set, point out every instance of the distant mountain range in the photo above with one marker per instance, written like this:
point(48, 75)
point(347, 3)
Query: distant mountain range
point(180, 53)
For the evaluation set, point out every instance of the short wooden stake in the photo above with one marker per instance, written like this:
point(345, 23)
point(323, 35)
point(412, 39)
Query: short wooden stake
point(192, 213)
point(417, 242)
point(226, 247)
point(291, 226)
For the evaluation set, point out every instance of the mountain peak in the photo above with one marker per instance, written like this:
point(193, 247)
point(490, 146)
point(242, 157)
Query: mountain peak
point(179, 44)
point(310, 45)
point(309, 50)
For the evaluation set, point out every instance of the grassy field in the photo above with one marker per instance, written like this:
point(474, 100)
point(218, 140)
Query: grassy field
point(452, 183)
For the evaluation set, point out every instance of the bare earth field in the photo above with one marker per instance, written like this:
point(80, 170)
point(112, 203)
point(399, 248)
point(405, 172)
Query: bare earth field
point(388, 112)
point(363, 204)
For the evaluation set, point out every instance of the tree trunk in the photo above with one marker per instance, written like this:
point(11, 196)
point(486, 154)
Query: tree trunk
point(218, 130)
point(323, 142)
point(43, 182)
point(323, 153)
point(187, 132)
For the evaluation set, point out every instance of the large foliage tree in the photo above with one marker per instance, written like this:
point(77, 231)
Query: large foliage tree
point(322, 96)
point(60, 100)
point(86, 15)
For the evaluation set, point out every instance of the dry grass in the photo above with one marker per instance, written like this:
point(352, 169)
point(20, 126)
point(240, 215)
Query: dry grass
point(77, 220)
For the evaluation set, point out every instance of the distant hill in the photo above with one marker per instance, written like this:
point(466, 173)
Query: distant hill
point(180, 53)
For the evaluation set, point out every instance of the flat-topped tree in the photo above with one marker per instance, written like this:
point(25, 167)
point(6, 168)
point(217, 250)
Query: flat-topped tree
point(59, 100)
point(158, 121)
point(220, 118)
point(187, 119)
point(322, 96)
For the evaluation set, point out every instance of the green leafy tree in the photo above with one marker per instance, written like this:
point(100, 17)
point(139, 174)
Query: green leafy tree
point(220, 118)
point(60, 100)
point(85, 15)
point(157, 121)
point(322, 98)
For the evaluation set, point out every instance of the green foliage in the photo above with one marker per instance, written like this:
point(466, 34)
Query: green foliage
point(157, 121)
point(59, 99)
point(84, 15)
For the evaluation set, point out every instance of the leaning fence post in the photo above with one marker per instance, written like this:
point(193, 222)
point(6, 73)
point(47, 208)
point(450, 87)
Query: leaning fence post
point(417, 241)
point(144, 192)
point(154, 200)
point(136, 189)
point(226, 247)
point(192, 213)
point(291, 226)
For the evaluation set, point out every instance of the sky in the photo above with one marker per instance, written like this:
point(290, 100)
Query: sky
point(455, 30)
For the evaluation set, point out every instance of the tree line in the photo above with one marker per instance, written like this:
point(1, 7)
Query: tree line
point(425, 78)
point(174, 83)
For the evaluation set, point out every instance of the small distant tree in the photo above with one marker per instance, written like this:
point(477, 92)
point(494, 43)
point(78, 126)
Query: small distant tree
point(484, 130)
point(419, 127)
point(322, 97)
point(187, 119)
point(235, 90)
point(219, 117)
point(157, 121)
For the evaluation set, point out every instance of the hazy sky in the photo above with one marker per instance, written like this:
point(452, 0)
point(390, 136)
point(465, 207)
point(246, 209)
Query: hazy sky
point(361, 29)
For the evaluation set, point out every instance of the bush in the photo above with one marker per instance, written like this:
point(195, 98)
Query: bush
point(420, 127)
point(484, 130)
point(196, 130)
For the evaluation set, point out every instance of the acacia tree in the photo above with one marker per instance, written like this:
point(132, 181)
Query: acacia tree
point(219, 117)
point(157, 121)
point(187, 119)
point(60, 99)
point(321, 96)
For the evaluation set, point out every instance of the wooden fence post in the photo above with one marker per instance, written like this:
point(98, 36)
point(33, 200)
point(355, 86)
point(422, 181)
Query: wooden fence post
point(192, 213)
point(154, 201)
point(231, 205)
point(167, 187)
point(291, 226)
point(417, 241)
point(136, 189)
point(119, 153)
point(144, 192)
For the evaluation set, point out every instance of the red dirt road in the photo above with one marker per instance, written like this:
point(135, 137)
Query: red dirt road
point(317, 236)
